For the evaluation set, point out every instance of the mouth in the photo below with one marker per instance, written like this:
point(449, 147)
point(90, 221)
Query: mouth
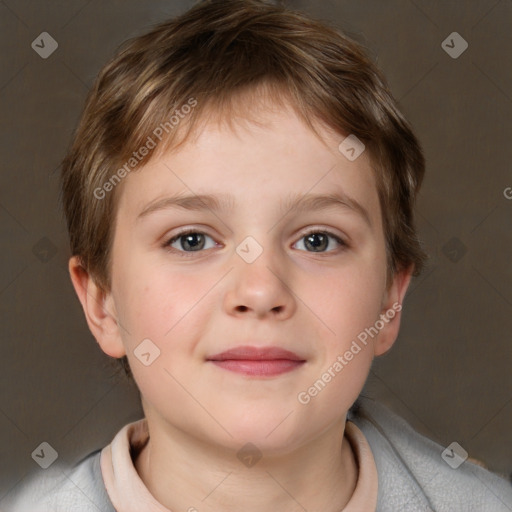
point(257, 361)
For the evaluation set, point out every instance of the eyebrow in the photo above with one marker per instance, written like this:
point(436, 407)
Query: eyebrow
point(294, 203)
point(298, 203)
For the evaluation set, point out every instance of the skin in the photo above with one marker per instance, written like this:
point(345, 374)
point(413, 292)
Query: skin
point(313, 303)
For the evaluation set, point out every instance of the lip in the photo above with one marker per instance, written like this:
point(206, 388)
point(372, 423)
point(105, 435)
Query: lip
point(257, 361)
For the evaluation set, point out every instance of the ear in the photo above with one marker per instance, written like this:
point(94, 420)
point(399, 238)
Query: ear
point(392, 310)
point(99, 309)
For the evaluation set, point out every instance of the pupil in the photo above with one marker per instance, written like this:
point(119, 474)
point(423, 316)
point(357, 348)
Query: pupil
point(192, 242)
point(317, 241)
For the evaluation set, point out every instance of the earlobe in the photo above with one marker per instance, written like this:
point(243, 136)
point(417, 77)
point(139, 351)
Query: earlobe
point(392, 311)
point(98, 308)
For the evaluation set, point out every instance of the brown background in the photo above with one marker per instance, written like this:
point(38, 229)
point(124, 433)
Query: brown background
point(449, 373)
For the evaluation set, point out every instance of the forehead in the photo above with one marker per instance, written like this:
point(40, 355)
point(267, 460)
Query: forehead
point(270, 157)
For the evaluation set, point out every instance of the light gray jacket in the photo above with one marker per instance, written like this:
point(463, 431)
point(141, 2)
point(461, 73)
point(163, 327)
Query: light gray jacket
point(413, 477)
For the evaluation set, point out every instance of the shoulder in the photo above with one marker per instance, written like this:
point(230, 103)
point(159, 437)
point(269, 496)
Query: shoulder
point(59, 489)
point(412, 474)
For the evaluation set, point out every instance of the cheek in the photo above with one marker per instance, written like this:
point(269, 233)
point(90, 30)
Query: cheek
point(159, 305)
point(155, 300)
point(346, 386)
point(348, 302)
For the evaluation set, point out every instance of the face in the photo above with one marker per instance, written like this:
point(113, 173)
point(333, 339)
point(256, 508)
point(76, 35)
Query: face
point(265, 268)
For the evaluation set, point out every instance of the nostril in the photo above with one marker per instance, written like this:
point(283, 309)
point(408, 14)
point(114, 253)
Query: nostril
point(241, 308)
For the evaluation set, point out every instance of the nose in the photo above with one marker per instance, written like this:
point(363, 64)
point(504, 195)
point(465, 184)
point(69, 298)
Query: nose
point(260, 289)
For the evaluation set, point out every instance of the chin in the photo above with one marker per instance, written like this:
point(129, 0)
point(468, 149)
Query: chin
point(266, 431)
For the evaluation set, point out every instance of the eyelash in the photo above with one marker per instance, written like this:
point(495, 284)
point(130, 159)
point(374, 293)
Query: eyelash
point(188, 254)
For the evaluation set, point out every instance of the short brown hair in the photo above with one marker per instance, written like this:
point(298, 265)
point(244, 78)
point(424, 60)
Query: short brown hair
point(216, 53)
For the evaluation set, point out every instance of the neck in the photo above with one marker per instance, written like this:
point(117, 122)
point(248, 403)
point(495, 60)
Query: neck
point(183, 474)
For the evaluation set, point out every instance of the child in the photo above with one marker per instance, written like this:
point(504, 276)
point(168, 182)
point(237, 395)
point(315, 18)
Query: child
point(239, 198)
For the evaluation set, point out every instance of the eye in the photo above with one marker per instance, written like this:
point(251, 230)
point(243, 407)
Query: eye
point(319, 241)
point(189, 241)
